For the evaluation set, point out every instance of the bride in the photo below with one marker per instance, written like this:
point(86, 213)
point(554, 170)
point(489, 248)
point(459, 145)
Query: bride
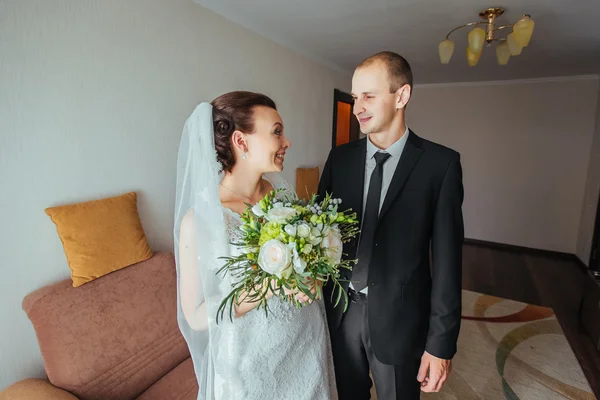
point(230, 155)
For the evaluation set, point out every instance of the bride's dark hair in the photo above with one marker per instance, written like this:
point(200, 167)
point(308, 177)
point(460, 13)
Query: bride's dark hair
point(234, 111)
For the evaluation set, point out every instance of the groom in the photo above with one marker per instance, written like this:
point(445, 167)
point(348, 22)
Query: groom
point(403, 318)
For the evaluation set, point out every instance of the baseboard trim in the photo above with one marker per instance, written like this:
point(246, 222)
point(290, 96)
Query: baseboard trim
point(530, 250)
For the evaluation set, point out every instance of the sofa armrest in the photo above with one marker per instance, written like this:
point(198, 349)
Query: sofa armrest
point(35, 389)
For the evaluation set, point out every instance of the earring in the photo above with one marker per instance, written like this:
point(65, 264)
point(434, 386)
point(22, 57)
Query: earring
point(244, 156)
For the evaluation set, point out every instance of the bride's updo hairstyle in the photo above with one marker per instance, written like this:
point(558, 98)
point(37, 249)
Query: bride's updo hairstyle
point(232, 112)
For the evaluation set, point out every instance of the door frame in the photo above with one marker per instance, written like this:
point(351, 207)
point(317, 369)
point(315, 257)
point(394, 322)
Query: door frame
point(595, 250)
point(343, 97)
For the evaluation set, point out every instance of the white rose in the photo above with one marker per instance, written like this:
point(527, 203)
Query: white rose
point(299, 263)
point(290, 230)
point(281, 214)
point(275, 258)
point(303, 230)
point(332, 243)
point(258, 211)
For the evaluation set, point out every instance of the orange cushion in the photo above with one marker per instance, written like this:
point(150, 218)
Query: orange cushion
point(35, 389)
point(100, 236)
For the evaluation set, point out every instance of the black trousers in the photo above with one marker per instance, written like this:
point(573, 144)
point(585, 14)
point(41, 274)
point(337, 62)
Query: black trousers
point(354, 359)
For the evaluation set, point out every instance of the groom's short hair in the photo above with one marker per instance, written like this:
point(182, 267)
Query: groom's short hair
point(398, 68)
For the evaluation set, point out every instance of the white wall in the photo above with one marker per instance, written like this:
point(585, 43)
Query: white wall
point(525, 149)
point(590, 201)
point(93, 98)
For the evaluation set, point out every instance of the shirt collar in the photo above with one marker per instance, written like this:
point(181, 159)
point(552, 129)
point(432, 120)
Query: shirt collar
point(395, 150)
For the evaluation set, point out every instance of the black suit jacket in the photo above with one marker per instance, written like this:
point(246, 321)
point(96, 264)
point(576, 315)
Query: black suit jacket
point(414, 305)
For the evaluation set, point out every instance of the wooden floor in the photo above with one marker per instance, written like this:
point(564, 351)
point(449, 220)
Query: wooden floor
point(535, 278)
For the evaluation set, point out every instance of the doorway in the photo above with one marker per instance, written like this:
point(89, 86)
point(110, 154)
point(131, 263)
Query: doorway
point(345, 124)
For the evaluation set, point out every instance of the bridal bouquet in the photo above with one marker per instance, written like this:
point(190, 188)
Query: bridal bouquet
point(288, 244)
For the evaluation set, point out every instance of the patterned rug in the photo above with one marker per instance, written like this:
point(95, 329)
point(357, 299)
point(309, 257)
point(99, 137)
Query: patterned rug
point(511, 350)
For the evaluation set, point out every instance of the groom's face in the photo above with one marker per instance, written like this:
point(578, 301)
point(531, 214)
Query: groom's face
point(374, 105)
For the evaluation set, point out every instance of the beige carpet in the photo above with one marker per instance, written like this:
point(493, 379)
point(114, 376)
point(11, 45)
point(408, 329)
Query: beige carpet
point(511, 350)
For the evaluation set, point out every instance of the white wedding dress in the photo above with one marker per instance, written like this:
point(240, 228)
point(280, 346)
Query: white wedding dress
point(285, 355)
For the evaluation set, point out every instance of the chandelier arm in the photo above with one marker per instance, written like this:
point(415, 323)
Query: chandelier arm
point(503, 27)
point(463, 26)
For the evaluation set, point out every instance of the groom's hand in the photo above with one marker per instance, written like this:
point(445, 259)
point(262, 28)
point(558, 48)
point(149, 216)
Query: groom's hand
point(438, 368)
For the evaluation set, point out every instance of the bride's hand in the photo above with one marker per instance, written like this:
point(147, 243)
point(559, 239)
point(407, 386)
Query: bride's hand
point(315, 285)
point(286, 291)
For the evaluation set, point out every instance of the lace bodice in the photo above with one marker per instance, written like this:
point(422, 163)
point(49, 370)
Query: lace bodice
point(233, 222)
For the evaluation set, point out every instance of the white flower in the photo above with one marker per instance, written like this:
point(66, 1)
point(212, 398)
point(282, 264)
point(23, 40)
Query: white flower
point(258, 211)
point(281, 214)
point(315, 240)
point(315, 236)
point(332, 243)
point(303, 230)
point(299, 263)
point(275, 258)
point(290, 230)
point(307, 248)
point(248, 250)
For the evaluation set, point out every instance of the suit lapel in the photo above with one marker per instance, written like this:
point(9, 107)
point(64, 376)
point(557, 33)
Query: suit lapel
point(410, 155)
point(356, 175)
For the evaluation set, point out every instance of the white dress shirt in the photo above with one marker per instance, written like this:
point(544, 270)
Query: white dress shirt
point(395, 151)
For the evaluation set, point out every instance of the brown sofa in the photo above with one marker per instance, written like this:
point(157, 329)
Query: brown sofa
point(113, 338)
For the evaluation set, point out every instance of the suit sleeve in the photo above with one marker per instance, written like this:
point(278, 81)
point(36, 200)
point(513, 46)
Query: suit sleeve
point(446, 247)
point(325, 184)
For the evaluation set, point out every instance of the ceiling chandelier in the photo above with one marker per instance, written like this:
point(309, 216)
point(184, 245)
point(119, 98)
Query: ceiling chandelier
point(512, 45)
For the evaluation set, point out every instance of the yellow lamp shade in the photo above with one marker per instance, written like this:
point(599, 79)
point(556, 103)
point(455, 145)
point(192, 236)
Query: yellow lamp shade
point(446, 48)
point(523, 30)
point(476, 38)
point(472, 57)
point(502, 53)
point(514, 46)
